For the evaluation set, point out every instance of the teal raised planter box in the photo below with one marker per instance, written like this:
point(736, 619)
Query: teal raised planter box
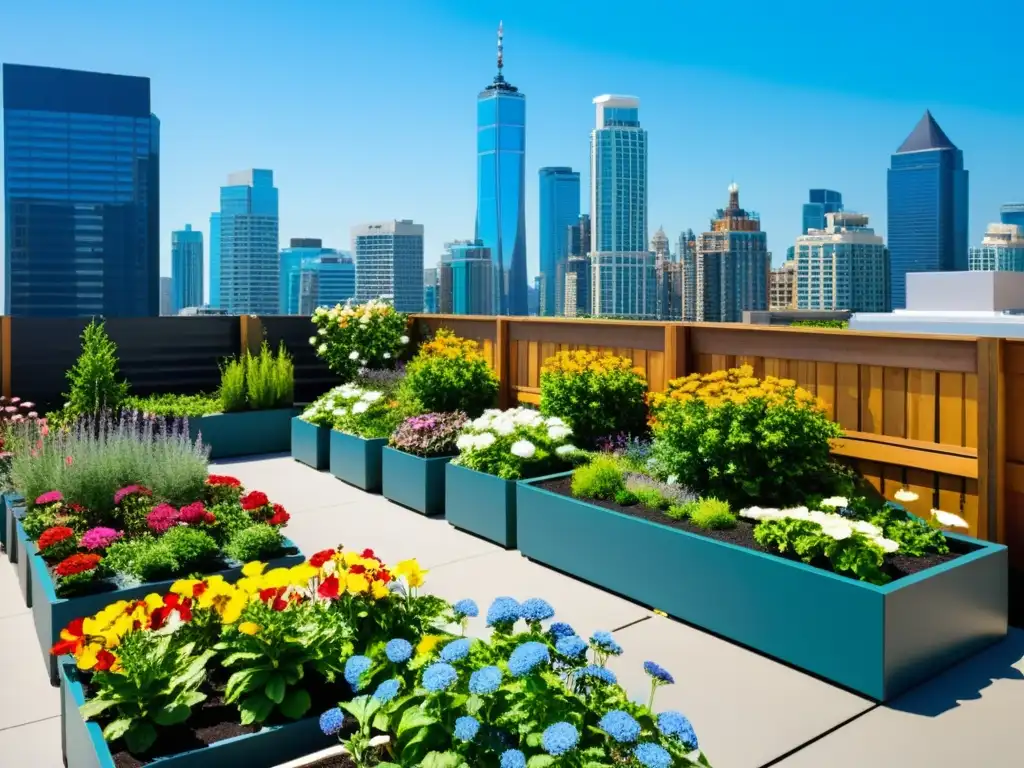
point(83, 745)
point(413, 481)
point(357, 461)
point(51, 614)
point(9, 503)
point(877, 641)
point(481, 504)
point(26, 550)
point(244, 433)
point(311, 444)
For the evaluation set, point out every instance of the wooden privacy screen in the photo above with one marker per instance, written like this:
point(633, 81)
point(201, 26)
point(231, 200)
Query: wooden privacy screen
point(918, 411)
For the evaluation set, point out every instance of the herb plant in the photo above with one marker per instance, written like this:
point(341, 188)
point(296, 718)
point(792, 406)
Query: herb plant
point(94, 379)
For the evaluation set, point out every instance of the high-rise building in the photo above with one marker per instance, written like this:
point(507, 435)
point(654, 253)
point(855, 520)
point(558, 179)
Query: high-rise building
point(501, 187)
point(430, 290)
point(533, 297)
point(186, 269)
point(577, 245)
point(389, 262)
point(1012, 213)
point(313, 276)
point(733, 265)
point(820, 202)
point(559, 209)
point(214, 281)
point(668, 275)
point(623, 282)
point(782, 287)
point(1001, 250)
point(687, 256)
point(81, 194)
point(248, 255)
point(445, 299)
point(577, 286)
point(578, 237)
point(289, 277)
point(928, 189)
point(166, 298)
point(472, 277)
point(844, 266)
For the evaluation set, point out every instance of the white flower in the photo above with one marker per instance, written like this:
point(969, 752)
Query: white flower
point(404, 340)
point(526, 417)
point(672, 480)
point(565, 450)
point(558, 432)
point(554, 421)
point(361, 407)
point(465, 443)
point(364, 320)
point(869, 530)
point(349, 391)
point(376, 741)
point(837, 529)
point(836, 501)
point(503, 426)
point(905, 495)
point(312, 340)
point(524, 449)
point(948, 519)
point(339, 412)
point(308, 414)
point(485, 440)
point(353, 355)
point(372, 397)
point(322, 331)
point(322, 349)
point(362, 362)
point(484, 422)
point(387, 355)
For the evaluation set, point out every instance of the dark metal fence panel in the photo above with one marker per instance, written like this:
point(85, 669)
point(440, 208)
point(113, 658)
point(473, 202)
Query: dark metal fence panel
point(312, 376)
point(42, 349)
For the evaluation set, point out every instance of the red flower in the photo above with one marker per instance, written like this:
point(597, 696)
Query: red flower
point(328, 588)
point(254, 500)
point(231, 482)
point(74, 506)
point(104, 661)
point(210, 518)
point(54, 535)
point(69, 566)
point(71, 638)
point(280, 516)
point(198, 589)
point(193, 513)
point(321, 557)
point(369, 553)
point(172, 603)
point(383, 575)
point(357, 569)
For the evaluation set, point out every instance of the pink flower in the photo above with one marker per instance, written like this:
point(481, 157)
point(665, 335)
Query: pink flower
point(50, 497)
point(131, 490)
point(193, 514)
point(68, 460)
point(162, 518)
point(44, 430)
point(100, 538)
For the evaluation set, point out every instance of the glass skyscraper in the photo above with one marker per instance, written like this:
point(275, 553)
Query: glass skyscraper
point(389, 263)
point(1001, 250)
point(81, 194)
point(313, 276)
point(501, 187)
point(927, 207)
point(472, 276)
point(559, 210)
point(186, 269)
point(248, 254)
point(214, 300)
point(820, 202)
point(1012, 213)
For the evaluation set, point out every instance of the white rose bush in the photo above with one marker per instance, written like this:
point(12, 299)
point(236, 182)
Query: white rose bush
point(372, 335)
point(516, 443)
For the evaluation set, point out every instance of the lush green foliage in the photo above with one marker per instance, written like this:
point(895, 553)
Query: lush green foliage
point(372, 414)
point(597, 395)
point(834, 324)
point(450, 374)
point(711, 514)
point(94, 380)
point(232, 393)
point(269, 379)
point(601, 478)
point(513, 444)
point(255, 542)
point(174, 406)
point(370, 335)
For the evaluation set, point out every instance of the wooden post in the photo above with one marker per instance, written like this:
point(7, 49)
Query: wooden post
point(501, 361)
point(5, 354)
point(991, 440)
point(676, 350)
point(251, 332)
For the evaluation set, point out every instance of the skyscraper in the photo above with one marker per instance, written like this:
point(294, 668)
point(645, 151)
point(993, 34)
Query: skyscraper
point(1012, 213)
point(313, 276)
point(472, 276)
point(820, 202)
point(248, 257)
point(577, 286)
point(166, 299)
point(1001, 250)
point(623, 283)
point(81, 194)
point(559, 209)
point(843, 266)
point(928, 189)
point(430, 290)
point(389, 262)
point(501, 187)
point(186, 269)
point(687, 255)
point(733, 264)
point(214, 267)
point(782, 287)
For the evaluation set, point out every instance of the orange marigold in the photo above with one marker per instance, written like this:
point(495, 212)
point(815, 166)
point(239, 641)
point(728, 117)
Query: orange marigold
point(69, 566)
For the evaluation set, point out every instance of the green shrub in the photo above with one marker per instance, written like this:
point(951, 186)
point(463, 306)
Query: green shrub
point(257, 542)
point(625, 498)
point(174, 406)
point(230, 519)
point(232, 386)
point(371, 335)
point(598, 395)
point(269, 379)
point(37, 521)
point(835, 324)
point(94, 379)
point(679, 511)
point(711, 515)
point(146, 559)
point(602, 478)
point(450, 374)
point(191, 548)
point(649, 497)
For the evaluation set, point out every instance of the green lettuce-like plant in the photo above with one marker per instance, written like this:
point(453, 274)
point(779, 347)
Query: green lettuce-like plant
point(94, 379)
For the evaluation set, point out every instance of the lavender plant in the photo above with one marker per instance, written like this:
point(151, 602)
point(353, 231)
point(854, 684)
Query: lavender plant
point(429, 435)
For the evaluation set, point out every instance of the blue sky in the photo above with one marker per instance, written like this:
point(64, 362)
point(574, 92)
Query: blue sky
point(366, 110)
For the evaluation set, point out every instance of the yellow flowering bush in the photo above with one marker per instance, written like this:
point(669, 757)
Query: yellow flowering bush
point(450, 374)
point(746, 440)
point(352, 337)
point(599, 395)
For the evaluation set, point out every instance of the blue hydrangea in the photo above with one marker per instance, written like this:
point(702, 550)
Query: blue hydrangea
point(484, 681)
point(387, 690)
point(560, 629)
point(331, 721)
point(598, 673)
point(677, 725)
point(527, 657)
point(652, 756)
point(512, 758)
point(572, 646)
point(355, 668)
point(659, 673)
point(604, 641)
point(466, 609)
point(398, 650)
point(620, 726)
point(439, 677)
point(456, 650)
point(466, 728)
point(560, 738)
point(504, 610)
point(536, 609)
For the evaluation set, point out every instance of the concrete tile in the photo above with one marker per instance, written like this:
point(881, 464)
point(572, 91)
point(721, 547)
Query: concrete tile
point(29, 696)
point(35, 744)
point(289, 482)
point(11, 603)
point(968, 716)
point(746, 709)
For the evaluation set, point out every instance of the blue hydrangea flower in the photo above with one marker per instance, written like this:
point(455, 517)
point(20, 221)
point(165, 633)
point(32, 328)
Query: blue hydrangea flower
point(678, 725)
point(398, 650)
point(466, 728)
point(560, 738)
point(439, 677)
point(572, 646)
point(598, 673)
point(620, 726)
point(528, 657)
point(560, 629)
point(536, 609)
point(466, 609)
point(456, 650)
point(331, 721)
point(504, 610)
point(355, 668)
point(512, 758)
point(387, 690)
point(659, 673)
point(484, 681)
point(604, 641)
point(652, 756)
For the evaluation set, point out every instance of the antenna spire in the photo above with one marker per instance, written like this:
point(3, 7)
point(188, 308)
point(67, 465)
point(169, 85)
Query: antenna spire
point(501, 47)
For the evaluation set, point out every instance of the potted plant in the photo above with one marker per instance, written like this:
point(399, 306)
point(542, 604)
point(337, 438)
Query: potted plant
point(413, 464)
point(13, 411)
point(311, 429)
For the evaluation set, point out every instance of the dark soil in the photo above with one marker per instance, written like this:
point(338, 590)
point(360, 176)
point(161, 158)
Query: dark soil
point(342, 761)
point(896, 566)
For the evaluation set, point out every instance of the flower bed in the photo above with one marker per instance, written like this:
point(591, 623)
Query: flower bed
point(413, 464)
point(348, 644)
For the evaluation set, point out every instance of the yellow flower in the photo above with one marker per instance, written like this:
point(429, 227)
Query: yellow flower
point(412, 572)
point(248, 628)
point(302, 573)
point(184, 587)
point(350, 558)
point(357, 584)
point(278, 577)
point(253, 569)
point(225, 599)
point(379, 590)
point(428, 643)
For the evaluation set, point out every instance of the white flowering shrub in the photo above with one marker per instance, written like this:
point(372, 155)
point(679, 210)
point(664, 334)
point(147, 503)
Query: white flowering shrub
point(371, 335)
point(366, 413)
point(517, 443)
point(330, 406)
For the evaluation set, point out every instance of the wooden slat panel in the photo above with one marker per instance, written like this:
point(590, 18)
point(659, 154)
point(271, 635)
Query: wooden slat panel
point(951, 408)
point(871, 385)
point(1014, 518)
point(922, 483)
point(921, 405)
point(872, 472)
point(825, 387)
point(848, 396)
point(951, 499)
point(971, 410)
point(533, 364)
point(894, 402)
point(656, 379)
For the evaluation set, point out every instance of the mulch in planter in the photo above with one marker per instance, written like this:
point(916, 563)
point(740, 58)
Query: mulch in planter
point(341, 761)
point(896, 565)
point(213, 720)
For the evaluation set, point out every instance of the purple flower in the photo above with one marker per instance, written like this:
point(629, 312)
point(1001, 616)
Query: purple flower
point(100, 538)
point(432, 434)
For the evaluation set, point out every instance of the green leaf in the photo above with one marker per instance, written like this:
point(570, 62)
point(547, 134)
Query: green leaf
point(234, 658)
point(295, 704)
point(191, 698)
point(255, 708)
point(442, 760)
point(413, 718)
point(139, 737)
point(275, 688)
point(94, 707)
point(243, 681)
point(540, 761)
point(117, 728)
point(172, 714)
